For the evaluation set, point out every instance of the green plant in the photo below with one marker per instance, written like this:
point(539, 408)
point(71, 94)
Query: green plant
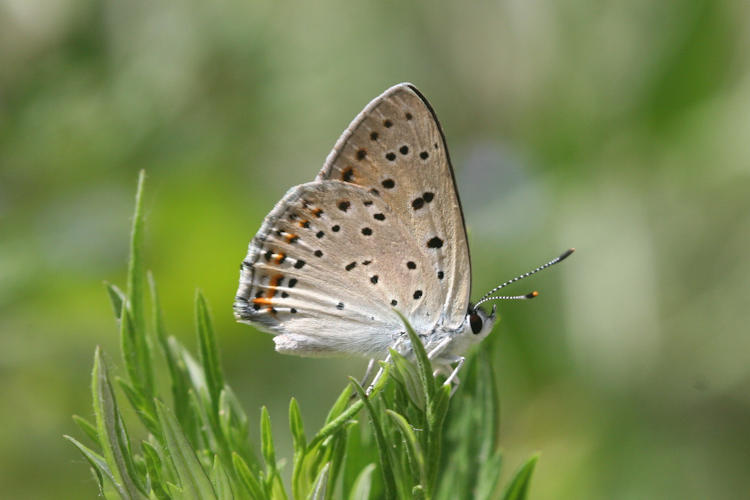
point(199, 448)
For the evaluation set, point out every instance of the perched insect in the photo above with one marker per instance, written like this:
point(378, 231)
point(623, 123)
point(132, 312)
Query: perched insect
point(380, 229)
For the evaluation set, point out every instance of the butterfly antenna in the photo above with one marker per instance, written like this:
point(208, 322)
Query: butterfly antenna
point(488, 296)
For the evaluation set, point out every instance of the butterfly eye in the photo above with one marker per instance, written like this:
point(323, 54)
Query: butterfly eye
point(476, 323)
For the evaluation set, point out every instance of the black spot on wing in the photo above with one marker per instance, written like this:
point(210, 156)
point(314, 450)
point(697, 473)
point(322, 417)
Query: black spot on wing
point(347, 174)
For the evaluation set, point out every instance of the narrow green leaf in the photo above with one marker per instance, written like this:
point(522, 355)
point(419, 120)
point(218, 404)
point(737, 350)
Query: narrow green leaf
point(137, 360)
point(488, 479)
point(436, 413)
point(136, 273)
point(336, 458)
point(167, 470)
point(193, 480)
point(209, 353)
point(519, 485)
point(110, 430)
point(417, 493)
point(221, 481)
point(175, 491)
point(199, 406)
point(423, 363)
point(234, 424)
point(116, 297)
point(140, 368)
point(412, 443)
point(487, 397)
point(320, 484)
point(239, 417)
point(297, 428)
point(344, 417)
point(407, 375)
point(384, 452)
point(336, 424)
point(340, 405)
point(266, 439)
point(155, 469)
point(139, 404)
point(99, 465)
point(178, 376)
point(273, 478)
point(360, 452)
point(129, 348)
point(301, 474)
point(188, 374)
point(363, 484)
point(248, 479)
point(87, 428)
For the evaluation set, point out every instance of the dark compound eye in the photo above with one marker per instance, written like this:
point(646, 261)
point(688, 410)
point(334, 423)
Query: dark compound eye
point(476, 322)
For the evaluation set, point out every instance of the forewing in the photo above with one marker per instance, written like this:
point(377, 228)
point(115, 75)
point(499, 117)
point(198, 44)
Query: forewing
point(331, 262)
point(395, 149)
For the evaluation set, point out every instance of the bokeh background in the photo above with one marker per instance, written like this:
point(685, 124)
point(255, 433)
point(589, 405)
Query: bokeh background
point(620, 128)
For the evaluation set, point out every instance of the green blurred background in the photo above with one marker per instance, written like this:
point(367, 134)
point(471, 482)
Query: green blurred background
point(620, 128)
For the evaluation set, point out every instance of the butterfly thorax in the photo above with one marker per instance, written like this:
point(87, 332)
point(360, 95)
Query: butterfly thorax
point(449, 344)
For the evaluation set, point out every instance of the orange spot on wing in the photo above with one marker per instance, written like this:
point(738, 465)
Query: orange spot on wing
point(280, 257)
point(317, 212)
point(274, 282)
point(291, 237)
point(266, 301)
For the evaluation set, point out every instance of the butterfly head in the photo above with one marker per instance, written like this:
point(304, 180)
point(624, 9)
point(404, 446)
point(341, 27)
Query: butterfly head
point(478, 324)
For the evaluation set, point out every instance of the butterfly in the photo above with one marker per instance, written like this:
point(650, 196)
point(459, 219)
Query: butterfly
point(379, 230)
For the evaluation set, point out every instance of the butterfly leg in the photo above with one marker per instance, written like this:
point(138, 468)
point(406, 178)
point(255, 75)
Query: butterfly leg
point(378, 376)
point(453, 377)
point(368, 372)
point(438, 349)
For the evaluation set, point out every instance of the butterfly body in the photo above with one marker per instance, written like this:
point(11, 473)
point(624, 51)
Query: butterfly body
point(379, 230)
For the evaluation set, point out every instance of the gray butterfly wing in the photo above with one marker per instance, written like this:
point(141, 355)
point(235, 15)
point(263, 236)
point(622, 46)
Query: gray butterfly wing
point(380, 228)
point(328, 266)
point(395, 148)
